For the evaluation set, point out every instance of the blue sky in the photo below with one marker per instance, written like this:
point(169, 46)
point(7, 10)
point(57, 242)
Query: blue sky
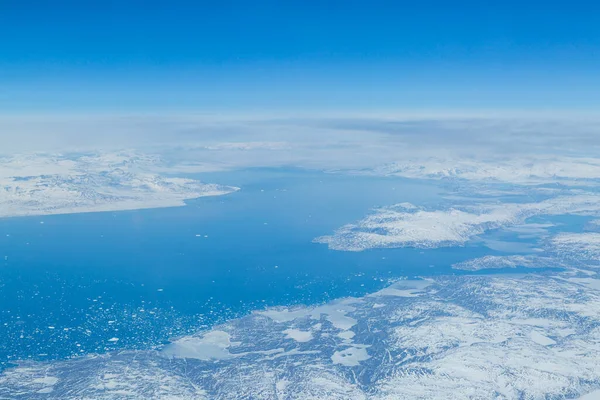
point(298, 55)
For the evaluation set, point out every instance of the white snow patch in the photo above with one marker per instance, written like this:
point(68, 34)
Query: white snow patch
point(595, 395)
point(212, 345)
point(335, 312)
point(350, 357)
point(46, 380)
point(498, 262)
point(541, 339)
point(582, 246)
point(346, 335)
point(589, 282)
point(298, 335)
point(404, 288)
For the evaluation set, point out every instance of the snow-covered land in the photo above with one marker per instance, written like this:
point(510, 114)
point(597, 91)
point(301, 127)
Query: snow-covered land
point(41, 184)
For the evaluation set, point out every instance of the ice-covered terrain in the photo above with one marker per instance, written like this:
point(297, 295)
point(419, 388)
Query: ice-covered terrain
point(405, 225)
point(498, 262)
point(480, 336)
point(500, 337)
point(41, 184)
point(582, 246)
point(531, 170)
point(528, 336)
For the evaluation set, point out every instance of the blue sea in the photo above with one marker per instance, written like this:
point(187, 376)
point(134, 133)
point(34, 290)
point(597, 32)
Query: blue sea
point(96, 282)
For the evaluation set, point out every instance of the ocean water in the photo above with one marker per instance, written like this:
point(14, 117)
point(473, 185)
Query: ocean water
point(96, 282)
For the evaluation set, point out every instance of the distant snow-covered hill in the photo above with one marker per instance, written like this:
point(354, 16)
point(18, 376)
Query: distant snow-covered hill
point(41, 184)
